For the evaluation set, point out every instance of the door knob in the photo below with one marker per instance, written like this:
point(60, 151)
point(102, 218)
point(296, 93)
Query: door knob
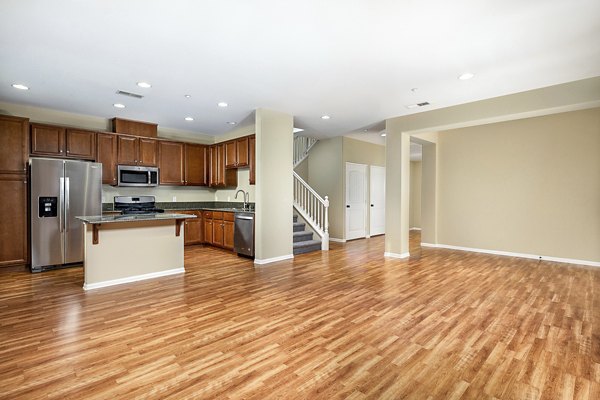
point(347, 206)
point(372, 205)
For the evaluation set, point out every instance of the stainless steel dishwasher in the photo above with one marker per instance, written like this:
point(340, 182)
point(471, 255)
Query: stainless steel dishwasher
point(243, 234)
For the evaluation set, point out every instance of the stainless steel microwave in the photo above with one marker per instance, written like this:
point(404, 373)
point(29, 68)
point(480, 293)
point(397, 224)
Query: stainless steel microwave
point(129, 175)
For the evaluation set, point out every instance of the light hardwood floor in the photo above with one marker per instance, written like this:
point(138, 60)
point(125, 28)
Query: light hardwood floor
point(347, 323)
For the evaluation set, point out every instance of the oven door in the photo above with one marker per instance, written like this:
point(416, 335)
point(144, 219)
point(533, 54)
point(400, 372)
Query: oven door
point(137, 176)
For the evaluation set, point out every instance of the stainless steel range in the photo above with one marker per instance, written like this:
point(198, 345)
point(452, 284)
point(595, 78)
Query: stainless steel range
point(136, 205)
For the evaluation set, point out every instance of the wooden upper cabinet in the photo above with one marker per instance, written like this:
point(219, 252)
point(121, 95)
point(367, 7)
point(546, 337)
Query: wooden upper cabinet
point(107, 155)
point(252, 158)
point(137, 151)
point(127, 150)
point(236, 153)
point(195, 165)
point(213, 179)
point(219, 175)
point(57, 141)
point(147, 152)
point(230, 154)
point(80, 144)
point(14, 145)
point(242, 145)
point(171, 163)
point(47, 140)
point(138, 128)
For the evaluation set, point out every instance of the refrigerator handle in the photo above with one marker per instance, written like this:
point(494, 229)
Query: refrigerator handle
point(61, 203)
point(67, 207)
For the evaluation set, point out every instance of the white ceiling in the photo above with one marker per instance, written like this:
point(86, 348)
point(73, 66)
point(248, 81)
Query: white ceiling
point(356, 61)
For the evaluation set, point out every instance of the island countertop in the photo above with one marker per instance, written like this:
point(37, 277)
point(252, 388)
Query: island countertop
point(106, 219)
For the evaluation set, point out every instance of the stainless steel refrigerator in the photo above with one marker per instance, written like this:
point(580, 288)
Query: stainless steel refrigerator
point(60, 191)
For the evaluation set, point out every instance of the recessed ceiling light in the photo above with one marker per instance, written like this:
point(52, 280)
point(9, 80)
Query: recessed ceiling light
point(119, 105)
point(466, 76)
point(222, 104)
point(189, 118)
point(187, 96)
point(232, 123)
point(325, 117)
point(296, 130)
point(19, 86)
point(144, 84)
point(383, 134)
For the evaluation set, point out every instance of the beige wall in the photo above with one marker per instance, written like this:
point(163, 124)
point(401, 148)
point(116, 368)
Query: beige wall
point(415, 194)
point(360, 152)
point(326, 176)
point(302, 169)
point(274, 185)
point(527, 186)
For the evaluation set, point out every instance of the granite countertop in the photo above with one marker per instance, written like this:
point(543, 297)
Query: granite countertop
point(106, 219)
point(194, 206)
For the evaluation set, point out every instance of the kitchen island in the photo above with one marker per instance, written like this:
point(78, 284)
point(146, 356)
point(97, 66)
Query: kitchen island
point(127, 248)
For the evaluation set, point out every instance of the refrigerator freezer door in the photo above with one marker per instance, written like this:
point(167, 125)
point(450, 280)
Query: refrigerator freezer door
point(46, 238)
point(83, 196)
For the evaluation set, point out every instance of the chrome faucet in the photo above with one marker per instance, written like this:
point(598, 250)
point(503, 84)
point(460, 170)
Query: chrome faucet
point(246, 195)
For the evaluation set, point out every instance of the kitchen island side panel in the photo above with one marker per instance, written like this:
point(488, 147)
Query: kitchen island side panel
point(131, 251)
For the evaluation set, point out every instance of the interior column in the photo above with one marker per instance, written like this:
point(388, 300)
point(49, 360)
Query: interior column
point(397, 191)
point(274, 186)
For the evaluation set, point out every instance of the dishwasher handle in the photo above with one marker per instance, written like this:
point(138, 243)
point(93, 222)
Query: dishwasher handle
point(244, 217)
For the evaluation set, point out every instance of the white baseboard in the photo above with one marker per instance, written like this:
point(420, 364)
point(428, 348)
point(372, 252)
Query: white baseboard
point(133, 278)
point(273, 259)
point(511, 254)
point(331, 239)
point(415, 229)
point(396, 255)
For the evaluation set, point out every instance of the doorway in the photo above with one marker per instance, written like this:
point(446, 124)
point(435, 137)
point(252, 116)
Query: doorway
point(356, 197)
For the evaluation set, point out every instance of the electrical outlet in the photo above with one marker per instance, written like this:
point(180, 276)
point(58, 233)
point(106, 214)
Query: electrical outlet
point(174, 198)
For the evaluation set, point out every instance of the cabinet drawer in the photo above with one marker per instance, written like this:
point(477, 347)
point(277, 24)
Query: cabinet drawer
point(217, 214)
point(228, 216)
point(208, 214)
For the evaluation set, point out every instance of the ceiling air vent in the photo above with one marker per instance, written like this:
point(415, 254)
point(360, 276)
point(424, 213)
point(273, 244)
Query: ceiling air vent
point(129, 94)
point(423, 104)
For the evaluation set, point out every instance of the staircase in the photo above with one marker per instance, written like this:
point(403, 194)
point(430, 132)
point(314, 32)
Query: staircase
point(309, 205)
point(303, 239)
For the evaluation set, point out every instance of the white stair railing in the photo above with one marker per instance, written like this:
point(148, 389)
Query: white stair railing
point(313, 208)
point(302, 145)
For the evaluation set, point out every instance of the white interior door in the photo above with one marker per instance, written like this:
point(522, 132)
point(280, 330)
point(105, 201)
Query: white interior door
point(356, 213)
point(377, 201)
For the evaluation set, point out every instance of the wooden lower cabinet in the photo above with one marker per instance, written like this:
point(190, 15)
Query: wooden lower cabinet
point(193, 228)
point(218, 228)
point(228, 234)
point(208, 229)
point(13, 217)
